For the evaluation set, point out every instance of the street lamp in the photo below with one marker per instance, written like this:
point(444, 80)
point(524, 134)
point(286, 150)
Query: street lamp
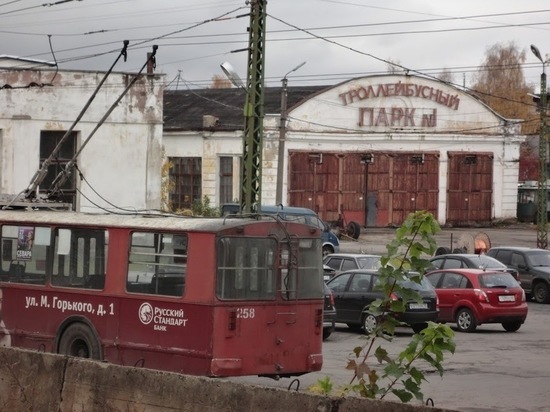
point(542, 204)
point(282, 137)
point(232, 75)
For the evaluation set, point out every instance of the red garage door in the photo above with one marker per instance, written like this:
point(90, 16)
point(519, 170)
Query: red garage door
point(373, 189)
point(470, 193)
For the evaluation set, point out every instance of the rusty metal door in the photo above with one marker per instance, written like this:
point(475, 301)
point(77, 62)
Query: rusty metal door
point(470, 193)
point(313, 183)
point(373, 189)
point(403, 183)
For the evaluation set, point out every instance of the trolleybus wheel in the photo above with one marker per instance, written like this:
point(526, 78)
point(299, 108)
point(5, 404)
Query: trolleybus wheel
point(79, 340)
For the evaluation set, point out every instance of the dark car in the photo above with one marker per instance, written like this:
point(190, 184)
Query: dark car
point(471, 297)
point(473, 261)
point(331, 243)
point(355, 290)
point(329, 313)
point(533, 266)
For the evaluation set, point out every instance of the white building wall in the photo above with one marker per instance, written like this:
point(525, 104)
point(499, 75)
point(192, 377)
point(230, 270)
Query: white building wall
point(210, 147)
point(332, 121)
point(122, 161)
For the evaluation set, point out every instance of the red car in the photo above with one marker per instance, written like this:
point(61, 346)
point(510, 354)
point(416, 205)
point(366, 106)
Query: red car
point(471, 297)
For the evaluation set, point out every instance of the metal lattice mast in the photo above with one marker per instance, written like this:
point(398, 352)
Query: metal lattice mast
point(542, 218)
point(251, 173)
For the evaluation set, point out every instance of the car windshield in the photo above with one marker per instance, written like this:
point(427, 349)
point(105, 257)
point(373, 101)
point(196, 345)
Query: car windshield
point(489, 262)
point(497, 280)
point(541, 258)
point(424, 284)
point(369, 262)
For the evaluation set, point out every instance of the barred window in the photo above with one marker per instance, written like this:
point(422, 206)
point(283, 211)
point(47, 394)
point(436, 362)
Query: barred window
point(186, 174)
point(226, 180)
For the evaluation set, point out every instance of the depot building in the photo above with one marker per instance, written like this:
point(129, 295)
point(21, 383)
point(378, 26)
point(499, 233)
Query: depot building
point(370, 149)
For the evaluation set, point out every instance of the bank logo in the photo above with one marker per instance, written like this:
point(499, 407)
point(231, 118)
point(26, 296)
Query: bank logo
point(145, 313)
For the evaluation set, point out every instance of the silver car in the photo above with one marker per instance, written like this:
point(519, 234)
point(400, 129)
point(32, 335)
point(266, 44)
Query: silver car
point(337, 263)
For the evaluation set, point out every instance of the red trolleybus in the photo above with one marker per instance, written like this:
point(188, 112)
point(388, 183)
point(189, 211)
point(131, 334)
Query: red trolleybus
point(200, 296)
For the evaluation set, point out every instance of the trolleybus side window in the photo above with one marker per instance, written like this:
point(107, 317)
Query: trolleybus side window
point(24, 251)
point(157, 263)
point(79, 258)
point(246, 268)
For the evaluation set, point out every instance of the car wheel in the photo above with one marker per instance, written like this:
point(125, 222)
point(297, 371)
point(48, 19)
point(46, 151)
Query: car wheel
point(442, 250)
point(465, 320)
point(353, 230)
point(511, 326)
point(327, 250)
point(369, 323)
point(540, 292)
point(326, 333)
point(419, 327)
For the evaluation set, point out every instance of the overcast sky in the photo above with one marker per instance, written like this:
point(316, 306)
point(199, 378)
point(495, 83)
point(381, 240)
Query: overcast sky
point(338, 39)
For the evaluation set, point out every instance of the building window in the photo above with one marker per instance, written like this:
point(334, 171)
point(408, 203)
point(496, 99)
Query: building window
point(226, 179)
point(186, 174)
point(48, 142)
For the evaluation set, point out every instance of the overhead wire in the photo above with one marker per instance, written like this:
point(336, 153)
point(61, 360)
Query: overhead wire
point(423, 72)
point(388, 62)
point(225, 35)
point(10, 2)
point(36, 7)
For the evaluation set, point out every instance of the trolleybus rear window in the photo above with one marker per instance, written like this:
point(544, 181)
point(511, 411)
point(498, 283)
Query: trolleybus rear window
point(246, 268)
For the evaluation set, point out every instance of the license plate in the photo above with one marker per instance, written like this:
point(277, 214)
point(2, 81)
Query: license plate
point(506, 298)
point(418, 306)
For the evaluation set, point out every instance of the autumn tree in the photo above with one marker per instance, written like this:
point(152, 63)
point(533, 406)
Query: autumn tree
point(220, 82)
point(445, 76)
point(500, 83)
point(393, 66)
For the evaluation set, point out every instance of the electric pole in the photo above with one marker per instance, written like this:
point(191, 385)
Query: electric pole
point(251, 170)
point(542, 193)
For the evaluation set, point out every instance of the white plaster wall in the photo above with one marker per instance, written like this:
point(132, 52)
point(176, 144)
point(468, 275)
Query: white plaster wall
point(343, 107)
point(325, 123)
point(210, 147)
point(123, 158)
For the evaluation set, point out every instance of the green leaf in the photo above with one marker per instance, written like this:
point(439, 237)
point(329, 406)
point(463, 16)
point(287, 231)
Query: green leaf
point(402, 394)
point(408, 252)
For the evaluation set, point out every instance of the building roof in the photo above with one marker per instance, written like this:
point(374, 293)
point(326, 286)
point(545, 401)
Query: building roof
point(14, 62)
point(184, 109)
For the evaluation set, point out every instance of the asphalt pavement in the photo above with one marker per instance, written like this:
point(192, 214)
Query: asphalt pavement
point(374, 240)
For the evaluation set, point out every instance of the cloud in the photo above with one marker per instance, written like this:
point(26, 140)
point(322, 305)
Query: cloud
point(337, 38)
